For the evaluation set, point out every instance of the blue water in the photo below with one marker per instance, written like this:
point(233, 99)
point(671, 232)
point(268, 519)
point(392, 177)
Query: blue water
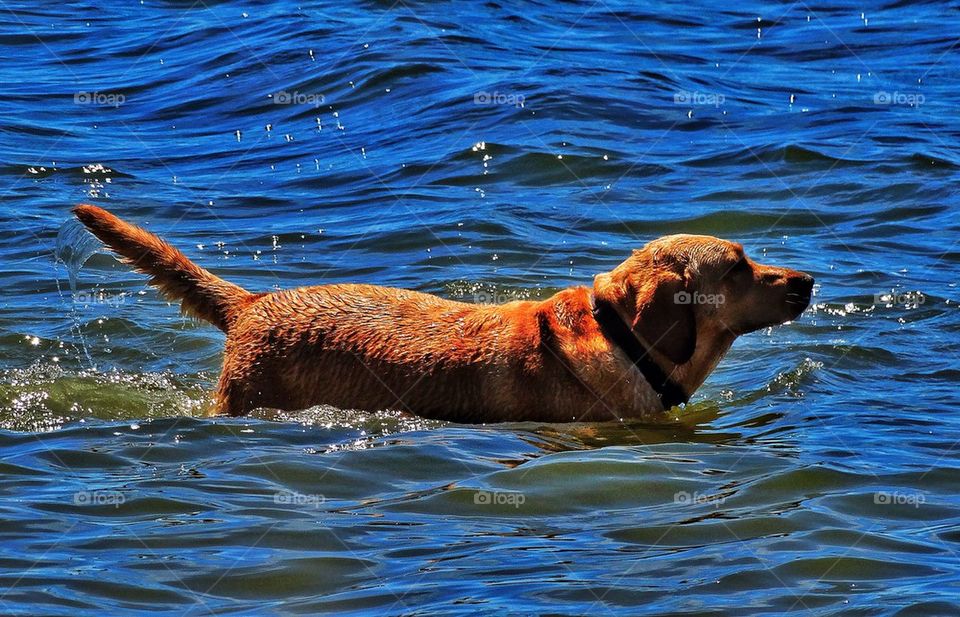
point(481, 151)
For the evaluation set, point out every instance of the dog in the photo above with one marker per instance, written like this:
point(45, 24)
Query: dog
point(638, 342)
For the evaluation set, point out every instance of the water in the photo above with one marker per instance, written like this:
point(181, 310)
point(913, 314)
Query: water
point(481, 151)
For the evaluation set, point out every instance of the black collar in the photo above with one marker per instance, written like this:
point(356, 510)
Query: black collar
point(613, 327)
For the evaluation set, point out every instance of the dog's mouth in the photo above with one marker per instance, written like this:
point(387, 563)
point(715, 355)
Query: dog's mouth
point(797, 303)
point(793, 305)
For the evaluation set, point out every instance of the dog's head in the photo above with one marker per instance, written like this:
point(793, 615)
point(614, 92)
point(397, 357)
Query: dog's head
point(678, 285)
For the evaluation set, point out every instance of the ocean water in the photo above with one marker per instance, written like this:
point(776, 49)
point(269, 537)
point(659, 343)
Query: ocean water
point(480, 151)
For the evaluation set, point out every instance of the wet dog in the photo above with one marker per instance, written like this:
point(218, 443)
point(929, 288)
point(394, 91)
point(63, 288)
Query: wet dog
point(642, 339)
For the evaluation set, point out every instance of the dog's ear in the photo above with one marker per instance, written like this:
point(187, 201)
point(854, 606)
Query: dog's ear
point(658, 307)
point(614, 288)
point(664, 316)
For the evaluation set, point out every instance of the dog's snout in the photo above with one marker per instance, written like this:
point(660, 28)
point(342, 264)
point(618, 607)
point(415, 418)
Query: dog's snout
point(771, 277)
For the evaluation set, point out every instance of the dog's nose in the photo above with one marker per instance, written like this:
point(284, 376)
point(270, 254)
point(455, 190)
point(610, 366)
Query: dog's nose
point(803, 282)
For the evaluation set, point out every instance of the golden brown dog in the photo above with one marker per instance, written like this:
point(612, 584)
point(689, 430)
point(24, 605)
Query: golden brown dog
point(641, 340)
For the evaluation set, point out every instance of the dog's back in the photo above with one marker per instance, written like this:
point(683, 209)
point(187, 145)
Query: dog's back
point(368, 347)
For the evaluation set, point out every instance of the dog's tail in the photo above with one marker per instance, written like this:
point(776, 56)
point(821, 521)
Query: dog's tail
point(202, 294)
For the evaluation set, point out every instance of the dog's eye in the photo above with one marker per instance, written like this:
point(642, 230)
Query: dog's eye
point(740, 267)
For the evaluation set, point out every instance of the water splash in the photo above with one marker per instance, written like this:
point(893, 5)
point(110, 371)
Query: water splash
point(75, 245)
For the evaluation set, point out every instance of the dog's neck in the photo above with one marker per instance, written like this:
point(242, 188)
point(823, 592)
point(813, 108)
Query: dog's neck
point(641, 355)
point(712, 346)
